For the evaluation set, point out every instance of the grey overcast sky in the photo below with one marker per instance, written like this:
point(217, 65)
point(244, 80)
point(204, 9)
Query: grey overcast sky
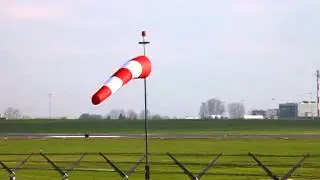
point(232, 50)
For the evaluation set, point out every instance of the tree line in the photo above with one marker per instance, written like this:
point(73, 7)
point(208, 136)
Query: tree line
point(208, 109)
point(123, 114)
point(11, 113)
point(215, 107)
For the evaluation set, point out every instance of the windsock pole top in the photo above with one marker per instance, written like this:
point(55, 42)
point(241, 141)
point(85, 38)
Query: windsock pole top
point(143, 33)
point(144, 42)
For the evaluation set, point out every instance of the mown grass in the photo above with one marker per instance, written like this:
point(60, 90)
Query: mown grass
point(163, 126)
point(228, 163)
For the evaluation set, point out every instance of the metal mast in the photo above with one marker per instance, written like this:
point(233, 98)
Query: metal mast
point(147, 167)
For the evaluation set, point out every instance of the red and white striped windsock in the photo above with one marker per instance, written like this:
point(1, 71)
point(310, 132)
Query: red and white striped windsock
point(136, 68)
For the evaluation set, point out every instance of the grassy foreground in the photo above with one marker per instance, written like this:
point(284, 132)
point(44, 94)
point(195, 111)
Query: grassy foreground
point(226, 164)
point(163, 126)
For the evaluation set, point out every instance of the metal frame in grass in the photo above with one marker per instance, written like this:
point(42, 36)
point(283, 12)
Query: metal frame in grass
point(64, 172)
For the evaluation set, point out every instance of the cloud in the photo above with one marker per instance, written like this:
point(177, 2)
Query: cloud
point(31, 11)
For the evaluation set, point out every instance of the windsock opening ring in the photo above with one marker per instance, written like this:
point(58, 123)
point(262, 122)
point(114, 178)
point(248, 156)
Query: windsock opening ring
point(136, 68)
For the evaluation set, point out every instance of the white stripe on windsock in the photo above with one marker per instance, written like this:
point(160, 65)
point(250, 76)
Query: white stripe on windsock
point(134, 67)
point(114, 83)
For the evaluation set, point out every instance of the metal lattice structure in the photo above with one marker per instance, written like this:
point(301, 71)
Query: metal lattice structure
point(178, 164)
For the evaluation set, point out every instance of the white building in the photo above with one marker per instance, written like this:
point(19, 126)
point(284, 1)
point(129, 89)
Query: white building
point(249, 116)
point(191, 117)
point(307, 109)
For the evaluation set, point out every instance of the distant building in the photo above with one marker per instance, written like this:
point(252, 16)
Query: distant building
point(272, 113)
point(216, 116)
point(258, 112)
point(2, 118)
point(288, 110)
point(307, 109)
point(253, 117)
point(192, 117)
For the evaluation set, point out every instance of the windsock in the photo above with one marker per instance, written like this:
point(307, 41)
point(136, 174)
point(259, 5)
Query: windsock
point(136, 68)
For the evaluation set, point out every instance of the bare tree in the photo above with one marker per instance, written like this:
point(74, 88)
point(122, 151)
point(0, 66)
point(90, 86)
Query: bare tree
point(122, 116)
point(165, 117)
point(141, 114)
point(236, 110)
point(131, 114)
point(90, 116)
point(116, 114)
point(156, 116)
point(122, 113)
point(215, 107)
point(12, 113)
point(203, 112)
point(113, 114)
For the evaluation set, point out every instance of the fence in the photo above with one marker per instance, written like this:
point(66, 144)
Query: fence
point(11, 163)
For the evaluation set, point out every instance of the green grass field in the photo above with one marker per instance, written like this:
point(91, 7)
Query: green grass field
point(163, 126)
point(226, 164)
point(230, 163)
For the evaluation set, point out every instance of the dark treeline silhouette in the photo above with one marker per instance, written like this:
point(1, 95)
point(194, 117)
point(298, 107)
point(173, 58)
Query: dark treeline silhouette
point(122, 114)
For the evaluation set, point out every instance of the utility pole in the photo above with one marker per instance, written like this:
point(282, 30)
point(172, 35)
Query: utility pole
point(318, 92)
point(50, 112)
point(147, 167)
point(311, 105)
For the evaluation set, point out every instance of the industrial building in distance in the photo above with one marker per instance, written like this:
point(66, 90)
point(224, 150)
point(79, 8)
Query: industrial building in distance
point(301, 110)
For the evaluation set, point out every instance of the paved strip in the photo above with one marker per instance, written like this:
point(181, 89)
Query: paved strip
point(159, 136)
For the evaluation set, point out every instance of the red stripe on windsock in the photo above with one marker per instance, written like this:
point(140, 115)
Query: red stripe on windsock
point(124, 74)
point(127, 72)
point(103, 93)
point(146, 64)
